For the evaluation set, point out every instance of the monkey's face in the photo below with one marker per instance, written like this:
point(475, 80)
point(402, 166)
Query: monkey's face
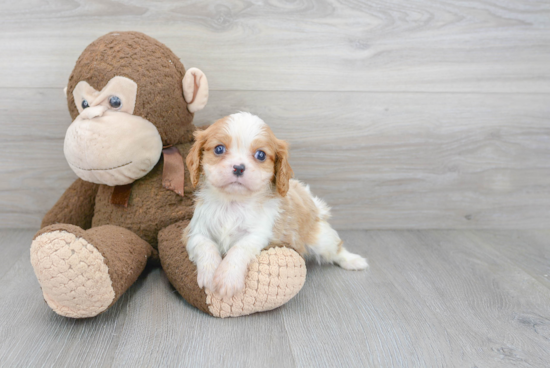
point(106, 143)
point(128, 95)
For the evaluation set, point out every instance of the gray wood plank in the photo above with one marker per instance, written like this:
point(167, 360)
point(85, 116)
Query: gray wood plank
point(29, 114)
point(528, 250)
point(150, 325)
point(430, 299)
point(170, 333)
point(405, 160)
point(13, 244)
point(328, 45)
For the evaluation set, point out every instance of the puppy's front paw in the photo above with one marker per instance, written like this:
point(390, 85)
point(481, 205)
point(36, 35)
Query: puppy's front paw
point(204, 277)
point(229, 278)
point(205, 273)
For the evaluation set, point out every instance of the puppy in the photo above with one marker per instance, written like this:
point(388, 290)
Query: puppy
point(246, 199)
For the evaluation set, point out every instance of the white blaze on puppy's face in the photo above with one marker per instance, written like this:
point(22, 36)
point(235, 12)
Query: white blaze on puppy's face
point(239, 155)
point(106, 143)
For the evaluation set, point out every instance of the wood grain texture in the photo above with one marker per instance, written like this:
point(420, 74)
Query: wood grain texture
point(177, 334)
point(475, 46)
point(529, 251)
point(382, 160)
point(430, 299)
point(425, 114)
point(12, 247)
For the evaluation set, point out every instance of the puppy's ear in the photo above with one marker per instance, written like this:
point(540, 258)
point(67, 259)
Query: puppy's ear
point(193, 159)
point(283, 171)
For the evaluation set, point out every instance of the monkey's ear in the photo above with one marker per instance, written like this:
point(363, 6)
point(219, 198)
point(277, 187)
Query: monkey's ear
point(193, 159)
point(65, 91)
point(195, 89)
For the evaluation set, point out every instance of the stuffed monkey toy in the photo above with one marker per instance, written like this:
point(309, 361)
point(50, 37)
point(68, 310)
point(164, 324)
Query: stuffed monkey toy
point(132, 105)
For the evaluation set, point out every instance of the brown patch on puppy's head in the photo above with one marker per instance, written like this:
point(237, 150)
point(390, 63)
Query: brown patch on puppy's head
point(157, 71)
point(240, 155)
point(276, 162)
point(206, 140)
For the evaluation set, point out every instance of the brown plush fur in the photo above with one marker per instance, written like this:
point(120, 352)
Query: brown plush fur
point(78, 203)
point(124, 253)
point(127, 237)
point(150, 208)
point(148, 63)
point(121, 234)
point(181, 272)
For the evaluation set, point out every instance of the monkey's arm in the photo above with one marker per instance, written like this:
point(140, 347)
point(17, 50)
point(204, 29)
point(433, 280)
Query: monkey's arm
point(75, 207)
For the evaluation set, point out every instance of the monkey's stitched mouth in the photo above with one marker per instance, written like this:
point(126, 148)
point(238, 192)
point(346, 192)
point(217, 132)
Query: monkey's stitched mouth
point(110, 168)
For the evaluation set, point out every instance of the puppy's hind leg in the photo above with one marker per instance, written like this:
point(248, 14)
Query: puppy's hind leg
point(329, 248)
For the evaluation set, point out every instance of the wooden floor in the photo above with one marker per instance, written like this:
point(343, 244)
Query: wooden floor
point(430, 299)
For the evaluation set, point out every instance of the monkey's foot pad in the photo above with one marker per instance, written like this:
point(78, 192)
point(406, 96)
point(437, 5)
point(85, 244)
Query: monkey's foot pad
point(72, 273)
point(276, 276)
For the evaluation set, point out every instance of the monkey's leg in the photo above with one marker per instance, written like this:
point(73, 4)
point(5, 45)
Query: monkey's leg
point(82, 273)
point(75, 207)
point(276, 276)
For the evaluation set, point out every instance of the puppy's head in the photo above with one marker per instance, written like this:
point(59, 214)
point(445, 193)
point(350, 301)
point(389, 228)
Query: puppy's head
point(240, 155)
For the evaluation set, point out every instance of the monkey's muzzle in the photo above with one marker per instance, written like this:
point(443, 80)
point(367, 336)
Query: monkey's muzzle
point(111, 147)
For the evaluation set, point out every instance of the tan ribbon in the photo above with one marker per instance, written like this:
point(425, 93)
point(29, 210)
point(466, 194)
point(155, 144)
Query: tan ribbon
point(173, 177)
point(121, 195)
point(173, 173)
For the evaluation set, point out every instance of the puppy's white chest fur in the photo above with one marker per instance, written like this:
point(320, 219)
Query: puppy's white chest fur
point(228, 221)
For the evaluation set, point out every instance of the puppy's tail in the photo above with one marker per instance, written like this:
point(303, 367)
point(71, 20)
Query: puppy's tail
point(324, 209)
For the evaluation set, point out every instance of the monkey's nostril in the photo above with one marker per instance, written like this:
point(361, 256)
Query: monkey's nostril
point(238, 170)
point(93, 112)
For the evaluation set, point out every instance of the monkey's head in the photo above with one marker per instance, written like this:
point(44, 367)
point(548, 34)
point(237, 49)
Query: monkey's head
point(129, 96)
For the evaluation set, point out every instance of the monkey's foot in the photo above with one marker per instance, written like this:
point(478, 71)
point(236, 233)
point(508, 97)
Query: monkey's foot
point(72, 273)
point(274, 278)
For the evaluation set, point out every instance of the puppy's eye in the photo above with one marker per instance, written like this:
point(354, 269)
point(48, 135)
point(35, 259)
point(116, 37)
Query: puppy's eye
point(219, 150)
point(115, 102)
point(260, 155)
point(85, 104)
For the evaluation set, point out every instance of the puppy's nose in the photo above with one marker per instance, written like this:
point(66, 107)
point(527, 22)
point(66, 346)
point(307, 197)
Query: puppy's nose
point(238, 170)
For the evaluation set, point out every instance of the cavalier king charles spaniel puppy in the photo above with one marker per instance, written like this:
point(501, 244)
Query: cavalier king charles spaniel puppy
point(246, 199)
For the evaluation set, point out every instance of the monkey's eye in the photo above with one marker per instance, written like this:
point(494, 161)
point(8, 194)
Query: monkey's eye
point(85, 104)
point(260, 155)
point(115, 102)
point(219, 150)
